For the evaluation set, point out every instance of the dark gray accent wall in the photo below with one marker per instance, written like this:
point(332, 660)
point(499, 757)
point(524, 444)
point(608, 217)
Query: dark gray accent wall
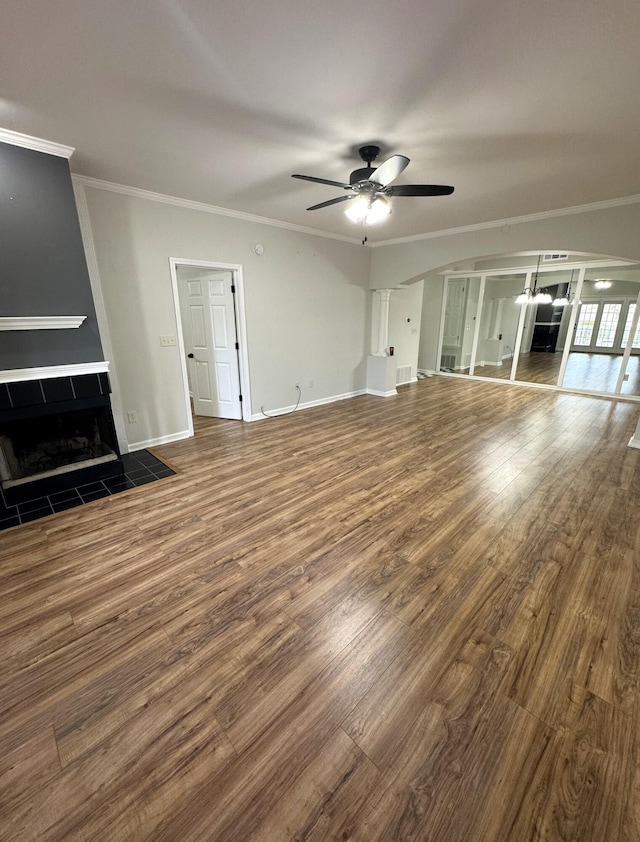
point(43, 271)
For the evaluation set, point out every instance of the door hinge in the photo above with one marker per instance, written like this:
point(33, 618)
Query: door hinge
point(237, 346)
point(240, 397)
point(233, 289)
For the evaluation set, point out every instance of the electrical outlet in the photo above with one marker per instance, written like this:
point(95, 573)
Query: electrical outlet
point(296, 385)
point(132, 417)
point(167, 340)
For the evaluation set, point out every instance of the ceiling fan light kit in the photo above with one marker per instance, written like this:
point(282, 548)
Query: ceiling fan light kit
point(371, 187)
point(368, 210)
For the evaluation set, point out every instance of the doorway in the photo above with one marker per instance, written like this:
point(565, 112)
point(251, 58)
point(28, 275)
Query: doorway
point(556, 327)
point(211, 331)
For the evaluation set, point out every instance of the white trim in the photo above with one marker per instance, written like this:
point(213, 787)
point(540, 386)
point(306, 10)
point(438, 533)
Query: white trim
point(38, 144)
point(514, 220)
point(478, 320)
point(39, 322)
point(18, 375)
point(241, 327)
point(522, 270)
point(379, 394)
point(286, 410)
point(143, 445)
point(138, 193)
point(86, 232)
point(634, 442)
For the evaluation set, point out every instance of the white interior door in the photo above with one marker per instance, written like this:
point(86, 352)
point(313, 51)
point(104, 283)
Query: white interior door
point(207, 313)
point(454, 313)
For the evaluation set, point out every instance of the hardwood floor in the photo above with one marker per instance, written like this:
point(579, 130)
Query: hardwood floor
point(414, 618)
point(597, 372)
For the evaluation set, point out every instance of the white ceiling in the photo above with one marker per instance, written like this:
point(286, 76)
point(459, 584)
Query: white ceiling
point(523, 106)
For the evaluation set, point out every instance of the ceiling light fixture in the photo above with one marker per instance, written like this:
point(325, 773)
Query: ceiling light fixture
point(563, 300)
point(602, 284)
point(369, 209)
point(534, 295)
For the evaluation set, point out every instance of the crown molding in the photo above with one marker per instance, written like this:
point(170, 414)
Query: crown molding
point(40, 322)
point(38, 144)
point(514, 220)
point(138, 193)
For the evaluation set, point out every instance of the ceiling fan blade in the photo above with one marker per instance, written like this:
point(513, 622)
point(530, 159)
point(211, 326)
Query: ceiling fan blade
point(419, 190)
point(322, 181)
point(332, 202)
point(389, 169)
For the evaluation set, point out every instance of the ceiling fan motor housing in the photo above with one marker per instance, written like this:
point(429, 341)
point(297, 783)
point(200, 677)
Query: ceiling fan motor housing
point(368, 154)
point(363, 174)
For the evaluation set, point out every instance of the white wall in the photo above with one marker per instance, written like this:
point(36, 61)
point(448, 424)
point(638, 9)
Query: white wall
point(612, 231)
point(306, 303)
point(430, 322)
point(405, 313)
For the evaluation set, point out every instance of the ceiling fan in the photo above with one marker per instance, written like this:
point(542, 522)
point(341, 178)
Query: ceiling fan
point(370, 186)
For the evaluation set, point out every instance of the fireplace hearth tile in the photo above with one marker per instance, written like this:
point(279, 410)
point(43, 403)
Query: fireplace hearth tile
point(146, 467)
point(35, 514)
point(145, 480)
point(89, 488)
point(115, 484)
point(62, 496)
point(95, 495)
point(37, 503)
point(63, 505)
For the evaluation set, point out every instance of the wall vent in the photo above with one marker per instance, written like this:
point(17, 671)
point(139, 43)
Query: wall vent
point(403, 374)
point(554, 256)
point(447, 362)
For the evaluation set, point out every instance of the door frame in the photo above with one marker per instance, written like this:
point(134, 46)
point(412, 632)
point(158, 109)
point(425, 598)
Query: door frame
point(241, 330)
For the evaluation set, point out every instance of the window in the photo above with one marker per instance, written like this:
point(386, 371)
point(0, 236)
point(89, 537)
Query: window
point(608, 325)
point(585, 325)
point(627, 329)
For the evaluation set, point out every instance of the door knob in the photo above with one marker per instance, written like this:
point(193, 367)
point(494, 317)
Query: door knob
point(190, 356)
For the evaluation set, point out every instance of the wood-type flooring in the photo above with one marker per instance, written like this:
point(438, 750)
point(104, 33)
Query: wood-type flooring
point(594, 372)
point(412, 618)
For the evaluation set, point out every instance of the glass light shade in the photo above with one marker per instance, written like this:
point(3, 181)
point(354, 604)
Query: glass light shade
point(542, 298)
point(560, 302)
point(363, 209)
point(602, 284)
point(357, 210)
point(523, 298)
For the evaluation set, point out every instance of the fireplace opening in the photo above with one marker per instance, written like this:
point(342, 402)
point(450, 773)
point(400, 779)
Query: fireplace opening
point(54, 444)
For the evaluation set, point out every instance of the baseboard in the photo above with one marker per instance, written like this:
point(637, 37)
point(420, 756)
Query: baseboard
point(634, 442)
point(142, 445)
point(382, 394)
point(285, 410)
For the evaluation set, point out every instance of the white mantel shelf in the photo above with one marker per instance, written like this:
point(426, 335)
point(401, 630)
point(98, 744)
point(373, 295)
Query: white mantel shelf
point(17, 375)
point(40, 322)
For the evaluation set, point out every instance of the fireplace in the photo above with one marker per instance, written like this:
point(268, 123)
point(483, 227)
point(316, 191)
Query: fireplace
point(55, 433)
